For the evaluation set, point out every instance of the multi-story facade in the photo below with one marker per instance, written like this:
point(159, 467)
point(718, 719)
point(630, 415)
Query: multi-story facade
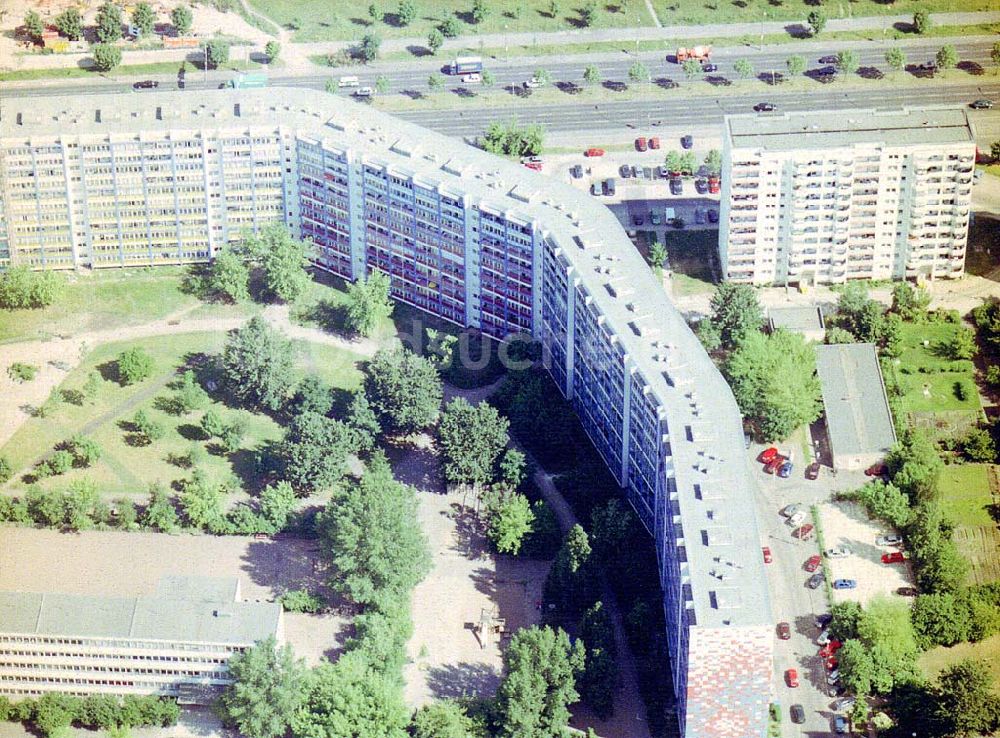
point(176, 642)
point(484, 243)
point(814, 198)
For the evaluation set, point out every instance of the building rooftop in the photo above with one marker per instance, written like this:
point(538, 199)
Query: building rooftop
point(857, 410)
point(150, 617)
point(828, 129)
point(804, 319)
point(709, 462)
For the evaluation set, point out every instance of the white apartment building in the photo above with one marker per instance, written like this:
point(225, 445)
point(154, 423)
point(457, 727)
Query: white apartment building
point(175, 642)
point(823, 197)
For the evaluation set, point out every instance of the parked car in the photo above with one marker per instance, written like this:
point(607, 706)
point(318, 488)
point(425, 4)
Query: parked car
point(813, 563)
point(845, 584)
point(764, 107)
point(823, 638)
point(833, 677)
point(829, 649)
point(594, 152)
point(701, 186)
point(532, 83)
point(839, 724)
point(699, 216)
point(815, 580)
point(654, 142)
point(767, 454)
point(795, 712)
point(796, 519)
point(676, 186)
point(812, 471)
point(930, 66)
point(595, 188)
point(535, 165)
point(576, 171)
point(637, 220)
point(792, 677)
point(893, 557)
point(844, 703)
point(981, 104)
point(625, 171)
point(654, 217)
point(907, 592)
point(774, 464)
point(821, 621)
point(890, 539)
point(714, 184)
point(687, 142)
point(662, 172)
point(768, 558)
point(789, 510)
point(838, 552)
point(608, 187)
point(784, 631)
point(877, 470)
point(785, 470)
point(640, 143)
point(805, 533)
point(146, 84)
point(713, 216)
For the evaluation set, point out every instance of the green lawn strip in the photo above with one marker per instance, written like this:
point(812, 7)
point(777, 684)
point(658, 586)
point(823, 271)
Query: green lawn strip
point(934, 661)
point(821, 544)
point(668, 46)
point(109, 299)
point(126, 70)
point(964, 493)
point(502, 100)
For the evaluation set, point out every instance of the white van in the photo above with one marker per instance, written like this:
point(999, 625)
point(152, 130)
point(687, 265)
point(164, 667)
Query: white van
point(348, 82)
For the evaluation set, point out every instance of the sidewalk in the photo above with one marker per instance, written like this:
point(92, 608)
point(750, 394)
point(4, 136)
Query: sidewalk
point(295, 54)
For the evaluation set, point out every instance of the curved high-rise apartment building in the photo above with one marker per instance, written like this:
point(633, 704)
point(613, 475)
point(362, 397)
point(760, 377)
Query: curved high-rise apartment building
point(101, 181)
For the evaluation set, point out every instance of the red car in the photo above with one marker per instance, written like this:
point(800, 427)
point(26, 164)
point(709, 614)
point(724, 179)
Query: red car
point(767, 455)
point(784, 631)
point(654, 142)
point(536, 165)
point(640, 143)
point(893, 557)
point(877, 470)
point(804, 533)
point(594, 152)
point(813, 562)
point(832, 664)
point(774, 464)
point(792, 678)
point(767, 555)
point(713, 185)
point(829, 649)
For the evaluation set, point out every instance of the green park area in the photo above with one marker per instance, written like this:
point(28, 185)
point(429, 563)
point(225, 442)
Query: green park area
point(970, 497)
point(987, 651)
point(693, 257)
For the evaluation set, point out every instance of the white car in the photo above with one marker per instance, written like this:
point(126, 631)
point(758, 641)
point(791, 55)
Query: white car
point(838, 552)
point(348, 82)
point(364, 92)
point(796, 519)
point(533, 83)
point(823, 638)
point(844, 703)
point(833, 677)
point(473, 77)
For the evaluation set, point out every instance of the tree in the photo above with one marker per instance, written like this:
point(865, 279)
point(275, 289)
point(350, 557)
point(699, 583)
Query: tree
point(109, 23)
point(796, 65)
point(570, 584)
point(736, 312)
point(6, 470)
point(61, 462)
point(588, 13)
point(283, 259)
point(540, 668)
point(54, 712)
point(488, 78)
point(348, 698)
point(597, 683)
point(435, 82)
point(985, 316)
point(86, 451)
point(553, 8)
point(962, 344)
point(91, 387)
point(272, 49)
point(895, 58)
point(22, 288)
point(134, 365)
point(313, 395)
point(181, 17)
point(509, 521)
point(435, 40)
point(638, 72)
point(480, 10)
point(591, 74)
point(368, 303)
point(212, 423)
point(816, 21)
point(147, 429)
point(940, 620)
point(406, 12)
point(449, 27)
point(909, 302)
point(201, 501)
point(657, 255)
point(445, 719)
point(471, 438)
point(218, 52)
point(106, 56)
point(69, 23)
point(713, 162)
point(847, 62)
point(773, 379)
point(967, 699)
point(978, 446)
point(144, 18)
point(315, 451)
point(884, 501)
point(692, 68)
point(939, 565)
point(229, 275)
point(34, 26)
point(404, 390)
point(266, 689)
point(382, 84)
point(371, 535)
point(276, 503)
point(995, 54)
point(160, 513)
point(512, 468)
point(921, 22)
point(512, 140)
point(914, 465)
point(946, 57)
point(375, 13)
point(190, 395)
point(258, 364)
point(743, 68)
point(363, 422)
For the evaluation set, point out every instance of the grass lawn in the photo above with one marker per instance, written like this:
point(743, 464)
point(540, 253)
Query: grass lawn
point(934, 661)
point(319, 20)
point(928, 378)
point(127, 70)
point(692, 256)
point(105, 299)
point(965, 494)
point(127, 469)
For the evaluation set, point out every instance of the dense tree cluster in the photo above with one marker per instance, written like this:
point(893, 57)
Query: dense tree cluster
point(404, 390)
point(22, 288)
point(880, 649)
point(513, 140)
point(54, 712)
point(368, 303)
point(258, 364)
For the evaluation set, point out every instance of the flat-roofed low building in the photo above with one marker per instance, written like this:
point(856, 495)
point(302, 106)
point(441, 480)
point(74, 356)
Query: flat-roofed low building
point(175, 642)
point(822, 197)
point(806, 320)
point(858, 419)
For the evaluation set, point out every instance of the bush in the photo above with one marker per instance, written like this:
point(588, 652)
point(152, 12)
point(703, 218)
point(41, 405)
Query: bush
point(961, 390)
point(21, 288)
point(22, 372)
point(61, 462)
point(134, 365)
point(6, 470)
point(300, 600)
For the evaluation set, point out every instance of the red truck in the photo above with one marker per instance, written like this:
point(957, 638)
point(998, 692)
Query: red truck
point(699, 53)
